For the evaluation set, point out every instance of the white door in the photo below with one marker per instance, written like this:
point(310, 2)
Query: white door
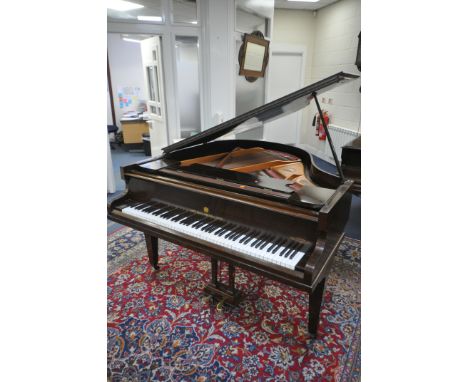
point(285, 76)
point(154, 87)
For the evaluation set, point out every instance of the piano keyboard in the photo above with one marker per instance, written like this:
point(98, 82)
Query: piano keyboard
point(246, 240)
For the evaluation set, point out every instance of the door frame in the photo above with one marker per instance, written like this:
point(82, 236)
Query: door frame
point(288, 49)
point(168, 33)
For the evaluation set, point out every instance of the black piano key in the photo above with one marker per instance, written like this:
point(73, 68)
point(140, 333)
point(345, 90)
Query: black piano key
point(219, 224)
point(293, 250)
point(146, 207)
point(224, 230)
point(195, 222)
point(186, 218)
point(157, 208)
point(227, 230)
point(274, 243)
point(133, 203)
point(141, 206)
point(233, 233)
point(168, 213)
point(240, 233)
point(251, 237)
point(267, 241)
point(160, 211)
point(215, 226)
point(304, 248)
point(201, 222)
point(278, 246)
point(232, 230)
point(208, 225)
point(237, 233)
point(174, 213)
point(254, 237)
point(247, 235)
point(151, 208)
point(220, 228)
point(286, 247)
point(257, 240)
point(260, 240)
point(180, 216)
point(190, 220)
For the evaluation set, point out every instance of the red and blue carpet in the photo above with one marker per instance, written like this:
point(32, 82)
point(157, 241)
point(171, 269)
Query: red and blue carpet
point(161, 327)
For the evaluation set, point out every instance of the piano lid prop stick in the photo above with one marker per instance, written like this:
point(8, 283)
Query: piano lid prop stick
point(330, 142)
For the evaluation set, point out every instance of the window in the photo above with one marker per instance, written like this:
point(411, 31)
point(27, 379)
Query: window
point(184, 12)
point(151, 12)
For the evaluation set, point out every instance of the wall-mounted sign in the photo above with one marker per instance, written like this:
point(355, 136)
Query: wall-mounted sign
point(253, 56)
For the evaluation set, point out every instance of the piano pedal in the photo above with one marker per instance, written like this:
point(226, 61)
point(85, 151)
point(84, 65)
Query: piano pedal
point(219, 305)
point(223, 294)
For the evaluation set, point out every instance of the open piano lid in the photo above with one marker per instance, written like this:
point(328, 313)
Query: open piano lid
point(266, 113)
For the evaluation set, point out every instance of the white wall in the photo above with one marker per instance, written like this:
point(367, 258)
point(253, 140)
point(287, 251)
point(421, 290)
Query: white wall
point(330, 38)
point(336, 40)
point(126, 70)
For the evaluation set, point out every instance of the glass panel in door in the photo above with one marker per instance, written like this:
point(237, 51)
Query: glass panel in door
point(188, 86)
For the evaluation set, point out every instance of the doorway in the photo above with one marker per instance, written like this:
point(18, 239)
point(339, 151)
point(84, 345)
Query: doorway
point(132, 94)
point(286, 75)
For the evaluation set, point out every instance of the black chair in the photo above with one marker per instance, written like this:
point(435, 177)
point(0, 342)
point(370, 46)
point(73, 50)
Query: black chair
point(112, 129)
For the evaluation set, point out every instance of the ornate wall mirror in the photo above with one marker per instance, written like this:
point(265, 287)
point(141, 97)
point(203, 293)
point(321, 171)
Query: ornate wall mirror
point(253, 56)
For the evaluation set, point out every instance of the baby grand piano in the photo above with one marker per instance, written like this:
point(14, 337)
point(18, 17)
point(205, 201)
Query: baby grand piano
point(262, 206)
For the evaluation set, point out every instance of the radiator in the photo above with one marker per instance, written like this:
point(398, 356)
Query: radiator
point(340, 137)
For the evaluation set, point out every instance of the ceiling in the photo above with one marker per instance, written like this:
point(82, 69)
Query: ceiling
point(303, 5)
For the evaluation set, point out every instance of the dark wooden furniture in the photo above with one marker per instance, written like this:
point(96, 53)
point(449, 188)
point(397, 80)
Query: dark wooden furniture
point(351, 163)
point(270, 193)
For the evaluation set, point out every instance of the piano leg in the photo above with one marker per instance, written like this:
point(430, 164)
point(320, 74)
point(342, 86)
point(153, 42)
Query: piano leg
point(214, 271)
point(315, 301)
point(232, 277)
point(152, 248)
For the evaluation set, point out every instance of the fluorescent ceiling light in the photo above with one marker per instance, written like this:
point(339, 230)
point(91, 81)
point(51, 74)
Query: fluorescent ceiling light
point(121, 5)
point(149, 18)
point(130, 39)
point(193, 22)
point(305, 1)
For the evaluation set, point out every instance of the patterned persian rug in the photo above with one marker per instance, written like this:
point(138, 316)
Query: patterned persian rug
point(161, 327)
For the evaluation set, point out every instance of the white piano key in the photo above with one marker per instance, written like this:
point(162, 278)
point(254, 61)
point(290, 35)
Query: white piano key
point(238, 244)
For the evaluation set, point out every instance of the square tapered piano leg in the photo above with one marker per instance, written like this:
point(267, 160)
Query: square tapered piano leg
point(315, 301)
point(152, 248)
point(222, 292)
